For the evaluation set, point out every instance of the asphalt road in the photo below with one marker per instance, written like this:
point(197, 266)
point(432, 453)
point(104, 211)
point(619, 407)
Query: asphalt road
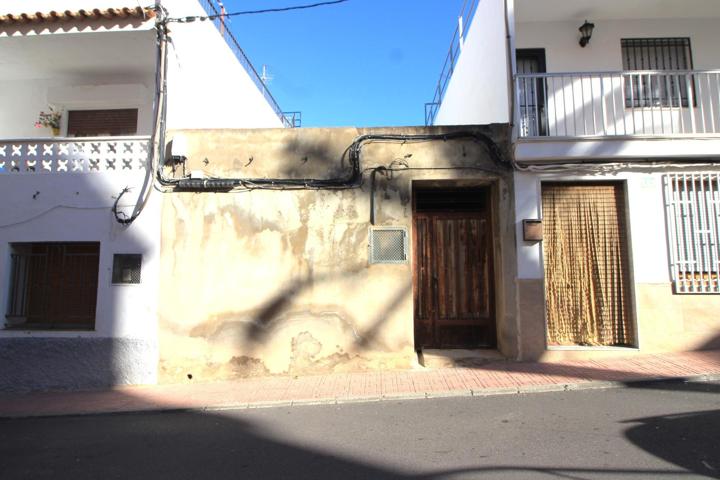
point(657, 431)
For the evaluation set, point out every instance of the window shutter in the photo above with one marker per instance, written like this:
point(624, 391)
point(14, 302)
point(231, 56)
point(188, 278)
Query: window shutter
point(96, 123)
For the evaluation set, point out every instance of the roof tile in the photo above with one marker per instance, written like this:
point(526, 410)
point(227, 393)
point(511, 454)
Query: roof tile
point(82, 15)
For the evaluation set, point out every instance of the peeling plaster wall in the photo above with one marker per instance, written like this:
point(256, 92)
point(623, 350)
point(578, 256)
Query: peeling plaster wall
point(278, 282)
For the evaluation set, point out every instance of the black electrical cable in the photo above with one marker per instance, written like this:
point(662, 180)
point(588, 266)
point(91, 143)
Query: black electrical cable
point(158, 133)
point(352, 180)
point(122, 217)
point(354, 177)
point(254, 12)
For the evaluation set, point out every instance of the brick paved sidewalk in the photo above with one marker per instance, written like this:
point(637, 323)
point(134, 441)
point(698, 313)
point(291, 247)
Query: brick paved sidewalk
point(484, 379)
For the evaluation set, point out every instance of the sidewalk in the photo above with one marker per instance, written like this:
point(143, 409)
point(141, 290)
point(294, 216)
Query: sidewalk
point(498, 377)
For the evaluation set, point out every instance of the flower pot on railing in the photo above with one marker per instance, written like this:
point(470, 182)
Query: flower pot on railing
point(50, 119)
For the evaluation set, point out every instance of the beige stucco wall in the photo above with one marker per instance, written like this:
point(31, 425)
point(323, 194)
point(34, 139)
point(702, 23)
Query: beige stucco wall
point(671, 322)
point(666, 322)
point(278, 282)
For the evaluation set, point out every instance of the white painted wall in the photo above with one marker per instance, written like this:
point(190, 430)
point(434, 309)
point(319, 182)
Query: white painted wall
point(563, 54)
point(76, 207)
point(478, 90)
point(645, 203)
point(23, 100)
point(579, 106)
point(584, 107)
point(207, 85)
point(576, 150)
point(88, 67)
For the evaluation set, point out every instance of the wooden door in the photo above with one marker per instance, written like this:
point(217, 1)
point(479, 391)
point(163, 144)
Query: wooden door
point(453, 287)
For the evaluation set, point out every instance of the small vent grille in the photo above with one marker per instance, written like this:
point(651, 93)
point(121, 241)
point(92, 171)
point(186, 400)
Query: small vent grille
point(126, 268)
point(388, 245)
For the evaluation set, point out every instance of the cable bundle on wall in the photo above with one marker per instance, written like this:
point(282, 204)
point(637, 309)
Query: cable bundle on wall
point(353, 178)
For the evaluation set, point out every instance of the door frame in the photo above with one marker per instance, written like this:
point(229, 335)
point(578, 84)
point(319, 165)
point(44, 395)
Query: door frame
point(495, 253)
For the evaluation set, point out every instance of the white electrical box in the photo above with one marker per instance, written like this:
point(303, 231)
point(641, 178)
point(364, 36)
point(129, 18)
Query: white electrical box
point(179, 148)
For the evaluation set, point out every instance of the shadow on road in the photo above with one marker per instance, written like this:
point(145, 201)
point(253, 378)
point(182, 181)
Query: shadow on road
point(179, 445)
point(690, 440)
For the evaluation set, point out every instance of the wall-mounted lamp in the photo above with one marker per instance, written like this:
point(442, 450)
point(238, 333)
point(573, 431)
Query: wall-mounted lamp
point(586, 30)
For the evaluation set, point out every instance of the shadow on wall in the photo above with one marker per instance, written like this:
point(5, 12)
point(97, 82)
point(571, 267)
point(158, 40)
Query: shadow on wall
point(271, 314)
point(251, 329)
point(245, 327)
point(122, 346)
point(712, 344)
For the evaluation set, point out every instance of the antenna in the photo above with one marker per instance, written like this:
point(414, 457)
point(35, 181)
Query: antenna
point(265, 76)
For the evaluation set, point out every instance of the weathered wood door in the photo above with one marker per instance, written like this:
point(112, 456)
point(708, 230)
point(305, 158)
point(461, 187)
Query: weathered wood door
point(453, 286)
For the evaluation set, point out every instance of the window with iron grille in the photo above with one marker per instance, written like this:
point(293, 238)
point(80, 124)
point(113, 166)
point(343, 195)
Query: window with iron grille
point(692, 203)
point(126, 268)
point(657, 54)
point(53, 285)
point(388, 245)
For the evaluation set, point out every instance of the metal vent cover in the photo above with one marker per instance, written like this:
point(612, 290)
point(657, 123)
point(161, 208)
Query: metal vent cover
point(388, 245)
point(126, 268)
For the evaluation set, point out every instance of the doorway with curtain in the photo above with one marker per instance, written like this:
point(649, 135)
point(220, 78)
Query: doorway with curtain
point(587, 265)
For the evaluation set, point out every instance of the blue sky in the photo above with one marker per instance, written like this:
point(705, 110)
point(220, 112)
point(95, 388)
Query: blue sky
point(359, 63)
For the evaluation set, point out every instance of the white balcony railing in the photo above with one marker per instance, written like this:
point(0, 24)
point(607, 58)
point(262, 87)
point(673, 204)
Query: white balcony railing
point(465, 18)
point(608, 104)
point(74, 155)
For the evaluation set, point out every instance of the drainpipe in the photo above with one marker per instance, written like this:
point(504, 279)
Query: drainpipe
point(511, 65)
point(372, 192)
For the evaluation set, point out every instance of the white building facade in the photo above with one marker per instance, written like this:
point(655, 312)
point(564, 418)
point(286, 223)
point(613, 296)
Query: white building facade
point(79, 264)
point(615, 144)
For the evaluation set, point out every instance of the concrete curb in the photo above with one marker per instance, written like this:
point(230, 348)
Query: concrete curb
point(488, 392)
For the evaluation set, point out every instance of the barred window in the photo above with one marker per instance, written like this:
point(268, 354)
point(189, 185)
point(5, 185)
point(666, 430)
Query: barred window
point(657, 54)
point(53, 285)
point(692, 204)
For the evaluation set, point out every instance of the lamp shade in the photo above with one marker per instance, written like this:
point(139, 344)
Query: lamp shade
point(586, 30)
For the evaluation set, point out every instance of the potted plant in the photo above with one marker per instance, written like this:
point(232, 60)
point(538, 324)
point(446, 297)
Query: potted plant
point(50, 119)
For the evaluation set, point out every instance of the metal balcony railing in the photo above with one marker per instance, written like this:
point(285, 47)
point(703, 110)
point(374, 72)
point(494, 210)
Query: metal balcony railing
point(74, 155)
point(293, 119)
point(232, 42)
point(466, 15)
point(610, 104)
